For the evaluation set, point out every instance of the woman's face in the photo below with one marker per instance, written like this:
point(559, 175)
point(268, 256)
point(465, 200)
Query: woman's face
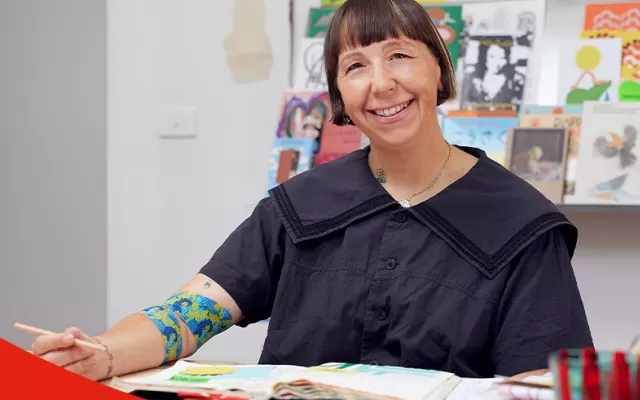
point(495, 58)
point(389, 89)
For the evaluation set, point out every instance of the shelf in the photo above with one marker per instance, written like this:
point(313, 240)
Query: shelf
point(588, 208)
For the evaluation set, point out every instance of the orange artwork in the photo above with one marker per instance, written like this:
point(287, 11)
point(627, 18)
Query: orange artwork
point(614, 16)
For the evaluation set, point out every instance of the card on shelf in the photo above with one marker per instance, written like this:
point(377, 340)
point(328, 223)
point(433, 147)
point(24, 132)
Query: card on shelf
point(539, 156)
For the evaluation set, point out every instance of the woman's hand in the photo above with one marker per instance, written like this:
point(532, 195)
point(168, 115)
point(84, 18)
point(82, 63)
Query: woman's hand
point(60, 349)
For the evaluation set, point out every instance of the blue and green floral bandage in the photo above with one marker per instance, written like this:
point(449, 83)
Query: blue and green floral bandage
point(167, 323)
point(204, 317)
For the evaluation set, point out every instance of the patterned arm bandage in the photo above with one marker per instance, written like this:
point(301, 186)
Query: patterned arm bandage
point(203, 316)
point(167, 323)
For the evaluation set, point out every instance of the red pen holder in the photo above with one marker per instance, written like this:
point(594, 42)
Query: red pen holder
point(587, 374)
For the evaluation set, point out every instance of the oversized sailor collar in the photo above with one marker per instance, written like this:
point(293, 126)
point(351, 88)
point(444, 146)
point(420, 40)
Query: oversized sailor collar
point(488, 216)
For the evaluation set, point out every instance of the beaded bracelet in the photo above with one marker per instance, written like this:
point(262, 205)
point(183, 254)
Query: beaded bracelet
point(109, 354)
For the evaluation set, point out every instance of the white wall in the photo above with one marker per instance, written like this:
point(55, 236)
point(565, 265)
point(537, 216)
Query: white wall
point(173, 201)
point(52, 165)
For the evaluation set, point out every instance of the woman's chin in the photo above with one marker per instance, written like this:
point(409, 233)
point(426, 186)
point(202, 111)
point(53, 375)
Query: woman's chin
point(396, 138)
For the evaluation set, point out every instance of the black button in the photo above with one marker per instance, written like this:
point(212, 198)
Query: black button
point(391, 263)
point(381, 315)
point(374, 362)
point(400, 217)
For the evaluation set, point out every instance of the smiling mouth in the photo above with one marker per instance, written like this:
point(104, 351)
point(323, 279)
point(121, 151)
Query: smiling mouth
point(390, 112)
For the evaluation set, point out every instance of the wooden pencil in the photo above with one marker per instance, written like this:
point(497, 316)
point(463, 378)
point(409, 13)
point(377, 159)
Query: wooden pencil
point(39, 332)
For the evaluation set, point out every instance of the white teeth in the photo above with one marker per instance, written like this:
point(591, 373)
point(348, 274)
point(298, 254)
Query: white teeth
point(387, 112)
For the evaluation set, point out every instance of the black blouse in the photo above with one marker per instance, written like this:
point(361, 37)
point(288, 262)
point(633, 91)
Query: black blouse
point(476, 280)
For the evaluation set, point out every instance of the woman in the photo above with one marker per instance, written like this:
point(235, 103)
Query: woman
point(410, 252)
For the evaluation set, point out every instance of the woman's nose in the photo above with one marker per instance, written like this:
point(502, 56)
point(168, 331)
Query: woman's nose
point(382, 80)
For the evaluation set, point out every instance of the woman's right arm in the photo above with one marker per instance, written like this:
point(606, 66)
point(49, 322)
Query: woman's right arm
point(146, 339)
point(243, 274)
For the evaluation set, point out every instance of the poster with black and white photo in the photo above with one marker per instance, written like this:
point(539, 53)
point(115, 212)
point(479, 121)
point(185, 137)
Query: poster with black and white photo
point(495, 72)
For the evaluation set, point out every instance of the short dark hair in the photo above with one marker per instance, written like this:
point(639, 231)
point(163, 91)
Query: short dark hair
point(364, 22)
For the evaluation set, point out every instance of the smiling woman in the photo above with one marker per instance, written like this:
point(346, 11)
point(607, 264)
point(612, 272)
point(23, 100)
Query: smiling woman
point(409, 252)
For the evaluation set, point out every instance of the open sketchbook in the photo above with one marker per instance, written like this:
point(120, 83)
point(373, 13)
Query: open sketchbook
point(328, 381)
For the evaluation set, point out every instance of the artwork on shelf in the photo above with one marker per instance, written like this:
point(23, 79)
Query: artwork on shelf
point(495, 72)
point(629, 86)
point(289, 157)
point(338, 3)
point(322, 158)
point(364, 141)
point(589, 70)
point(319, 21)
point(524, 18)
point(448, 21)
point(303, 115)
point(486, 133)
point(535, 109)
point(339, 139)
point(612, 16)
point(572, 124)
point(608, 165)
point(307, 114)
point(309, 73)
point(538, 155)
point(482, 113)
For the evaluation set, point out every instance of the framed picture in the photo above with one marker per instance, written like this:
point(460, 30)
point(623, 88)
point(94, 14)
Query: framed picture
point(539, 156)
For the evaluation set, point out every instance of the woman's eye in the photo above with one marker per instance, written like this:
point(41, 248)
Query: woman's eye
point(399, 56)
point(353, 66)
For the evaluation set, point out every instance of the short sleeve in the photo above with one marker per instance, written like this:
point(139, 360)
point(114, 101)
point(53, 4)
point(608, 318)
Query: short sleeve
point(249, 262)
point(541, 309)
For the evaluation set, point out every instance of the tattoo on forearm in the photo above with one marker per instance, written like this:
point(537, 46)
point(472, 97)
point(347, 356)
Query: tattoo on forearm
point(207, 284)
point(381, 176)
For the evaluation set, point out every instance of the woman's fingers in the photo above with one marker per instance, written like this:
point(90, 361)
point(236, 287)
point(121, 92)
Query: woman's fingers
point(46, 343)
point(82, 367)
point(60, 348)
point(67, 356)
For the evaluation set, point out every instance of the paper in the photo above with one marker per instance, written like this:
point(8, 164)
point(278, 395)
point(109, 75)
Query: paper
point(526, 18)
point(589, 70)
point(250, 378)
point(248, 50)
point(538, 155)
point(405, 383)
point(609, 156)
point(309, 71)
point(486, 133)
point(629, 87)
point(402, 383)
point(448, 21)
point(614, 16)
point(572, 124)
point(495, 72)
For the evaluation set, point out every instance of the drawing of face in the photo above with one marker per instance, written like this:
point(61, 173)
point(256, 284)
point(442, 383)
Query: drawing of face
point(389, 89)
point(496, 59)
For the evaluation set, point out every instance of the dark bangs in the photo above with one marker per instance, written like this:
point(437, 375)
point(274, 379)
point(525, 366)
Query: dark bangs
point(364, 22)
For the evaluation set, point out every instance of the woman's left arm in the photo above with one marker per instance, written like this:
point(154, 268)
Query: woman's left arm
point(540, 311)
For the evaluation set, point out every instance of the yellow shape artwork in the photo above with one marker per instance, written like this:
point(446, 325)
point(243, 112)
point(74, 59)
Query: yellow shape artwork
point(588, 58)
point(208, 370)
point(629, 89)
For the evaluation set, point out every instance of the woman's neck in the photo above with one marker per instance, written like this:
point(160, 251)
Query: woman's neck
point(411, 169)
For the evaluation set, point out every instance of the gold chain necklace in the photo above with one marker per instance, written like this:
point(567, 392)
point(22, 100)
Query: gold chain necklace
point(406, 203)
